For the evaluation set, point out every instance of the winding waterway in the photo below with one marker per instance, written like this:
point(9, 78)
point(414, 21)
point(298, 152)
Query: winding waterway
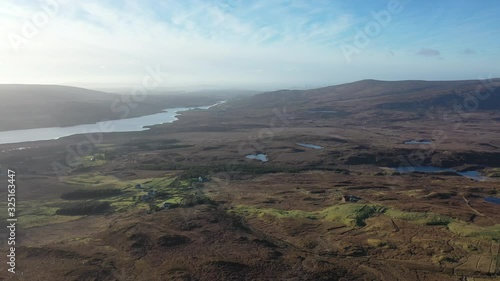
point(135, 124)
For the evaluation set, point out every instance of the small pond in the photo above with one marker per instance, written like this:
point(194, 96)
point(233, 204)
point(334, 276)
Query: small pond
point(418, 142)
point(494, 200)
point(261, 157)
point(431, 169)
point(310, 145)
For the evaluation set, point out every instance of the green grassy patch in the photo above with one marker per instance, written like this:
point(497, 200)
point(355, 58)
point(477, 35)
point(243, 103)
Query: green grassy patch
point(29, 221)
point(349, 214)
point(427, 218)
point(93, 179)
point(159, 182)
point(352, 214)
point(38, 213)
point(471, 230)
point(456, 226)
point(253, 211)
point(81, 194)
point(99, 181)
point(85, 208)
point(105, 146)
point(123, 195)
point(174, 200)
point(492, 172)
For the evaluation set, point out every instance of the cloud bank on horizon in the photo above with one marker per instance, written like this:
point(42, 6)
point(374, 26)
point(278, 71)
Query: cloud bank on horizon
point(246, 44)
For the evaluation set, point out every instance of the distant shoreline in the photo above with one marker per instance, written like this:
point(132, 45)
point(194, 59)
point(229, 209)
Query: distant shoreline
point(132, 124)
point(45, 107)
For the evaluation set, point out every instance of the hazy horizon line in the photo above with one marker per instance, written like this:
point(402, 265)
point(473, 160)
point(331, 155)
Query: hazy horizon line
point(209, 88)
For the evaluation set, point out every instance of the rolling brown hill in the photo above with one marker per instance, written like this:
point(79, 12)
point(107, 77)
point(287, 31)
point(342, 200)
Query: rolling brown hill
point(374, 94)
point(36, 106)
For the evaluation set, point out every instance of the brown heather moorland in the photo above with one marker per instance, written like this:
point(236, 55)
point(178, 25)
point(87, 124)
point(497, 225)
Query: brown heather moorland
point(283, 219)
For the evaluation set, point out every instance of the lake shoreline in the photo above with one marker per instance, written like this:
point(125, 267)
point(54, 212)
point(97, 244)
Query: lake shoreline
point(134, 124)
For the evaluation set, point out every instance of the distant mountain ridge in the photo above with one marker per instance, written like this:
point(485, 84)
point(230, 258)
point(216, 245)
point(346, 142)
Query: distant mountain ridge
point(391, 95)
point(36, 106)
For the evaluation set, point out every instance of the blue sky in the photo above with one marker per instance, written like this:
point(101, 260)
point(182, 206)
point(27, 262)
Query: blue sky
point(246, 44)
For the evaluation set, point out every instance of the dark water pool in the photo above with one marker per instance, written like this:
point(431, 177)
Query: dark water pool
point(431, 169)
point(418, 142)
point(494, 200)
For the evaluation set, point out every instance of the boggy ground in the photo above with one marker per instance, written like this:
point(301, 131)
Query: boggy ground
point(280, 220)
point(278, 226)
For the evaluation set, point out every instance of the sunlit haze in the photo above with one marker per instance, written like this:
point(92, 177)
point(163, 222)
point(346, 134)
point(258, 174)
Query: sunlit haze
point(246, 44)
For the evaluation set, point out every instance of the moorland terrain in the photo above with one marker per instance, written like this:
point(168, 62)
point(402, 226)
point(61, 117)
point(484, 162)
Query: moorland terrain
point(182, 202)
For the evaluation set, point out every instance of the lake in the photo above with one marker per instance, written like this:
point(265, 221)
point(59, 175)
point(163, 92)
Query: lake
point(135, 124)
point(431, 169)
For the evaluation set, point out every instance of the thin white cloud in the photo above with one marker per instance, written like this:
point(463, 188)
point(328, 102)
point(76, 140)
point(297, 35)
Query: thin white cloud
point(269, 43)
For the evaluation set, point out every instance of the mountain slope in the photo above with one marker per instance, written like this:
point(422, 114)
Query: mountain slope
point(35, 106)
point(375, 98)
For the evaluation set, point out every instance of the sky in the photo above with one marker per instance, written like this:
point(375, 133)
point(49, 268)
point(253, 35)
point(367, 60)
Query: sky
point(258, 45)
